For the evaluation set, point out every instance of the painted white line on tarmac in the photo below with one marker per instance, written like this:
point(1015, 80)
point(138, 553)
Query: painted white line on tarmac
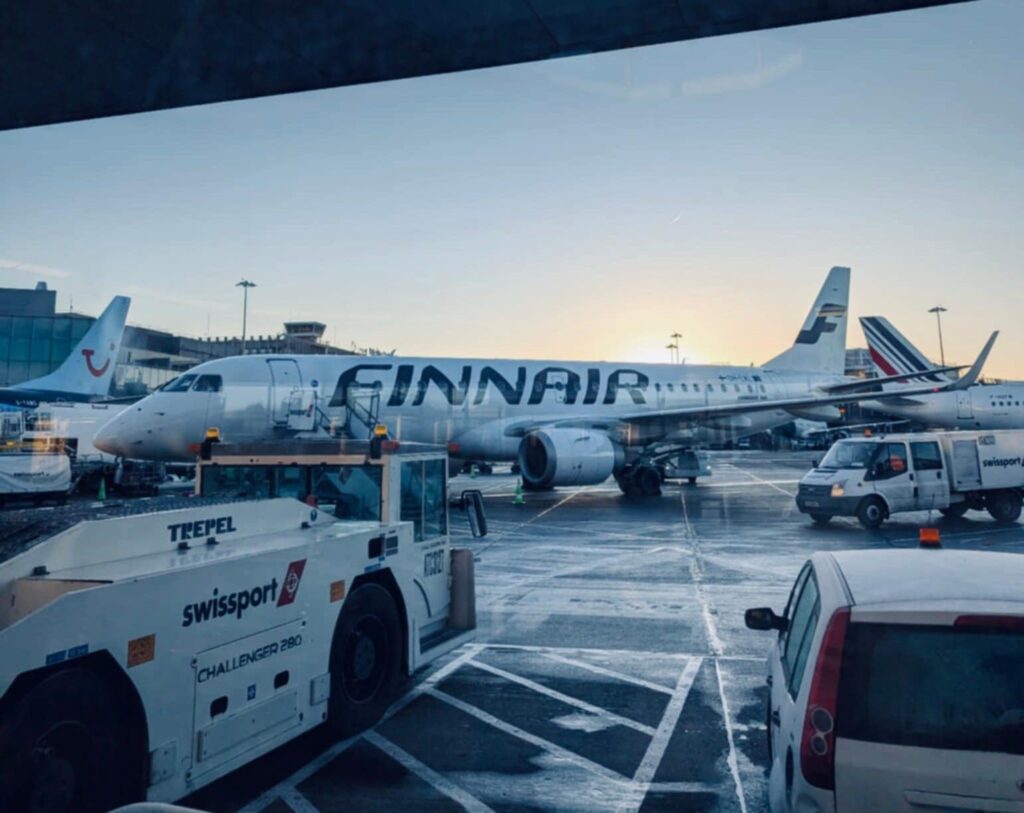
point(600, 670)
point(515, 731)
point(762, 481)
point(297, 802)
point(697, 575)
point(583, 705)
point(733, 761)
point(659, 742)
point(585, 651)
point(287, 786)
point(427, 774)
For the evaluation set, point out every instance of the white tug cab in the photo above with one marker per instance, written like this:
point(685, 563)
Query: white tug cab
point(152, 647)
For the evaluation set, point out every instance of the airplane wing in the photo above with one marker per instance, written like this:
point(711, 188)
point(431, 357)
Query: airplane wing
point(853, 386)
point(701, 413)
point(710, 412)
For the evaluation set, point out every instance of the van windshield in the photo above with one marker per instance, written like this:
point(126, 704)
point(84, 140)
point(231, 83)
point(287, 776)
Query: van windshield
point(933, 687)
point(848, 454)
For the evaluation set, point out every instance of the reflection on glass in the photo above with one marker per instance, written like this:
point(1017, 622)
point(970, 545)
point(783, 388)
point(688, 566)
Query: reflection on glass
point(349, 492)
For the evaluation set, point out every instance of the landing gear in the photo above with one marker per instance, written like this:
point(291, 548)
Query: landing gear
point(642, 481)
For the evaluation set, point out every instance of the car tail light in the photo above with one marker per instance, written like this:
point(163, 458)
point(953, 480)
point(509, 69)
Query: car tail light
point(817, 746)
point(1001, 622)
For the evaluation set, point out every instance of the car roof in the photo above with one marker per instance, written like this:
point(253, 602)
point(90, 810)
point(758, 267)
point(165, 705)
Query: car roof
point(917, 574)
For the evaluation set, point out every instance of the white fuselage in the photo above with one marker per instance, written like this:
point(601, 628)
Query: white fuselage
point(982, 406)
point(481, 406)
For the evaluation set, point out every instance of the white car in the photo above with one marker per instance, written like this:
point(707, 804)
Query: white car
point(897, 683)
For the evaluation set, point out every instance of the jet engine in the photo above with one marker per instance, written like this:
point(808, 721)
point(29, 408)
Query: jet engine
point(568, 457)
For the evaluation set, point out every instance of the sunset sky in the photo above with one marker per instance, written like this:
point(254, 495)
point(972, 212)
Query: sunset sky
point(578, 208)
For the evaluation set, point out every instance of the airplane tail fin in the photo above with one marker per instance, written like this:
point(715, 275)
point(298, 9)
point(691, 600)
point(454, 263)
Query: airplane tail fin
point(820, 345)
point(893, 353)
point(89, 366)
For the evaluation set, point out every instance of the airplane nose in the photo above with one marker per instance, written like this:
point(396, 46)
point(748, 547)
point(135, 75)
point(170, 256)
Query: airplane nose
point(109, 437)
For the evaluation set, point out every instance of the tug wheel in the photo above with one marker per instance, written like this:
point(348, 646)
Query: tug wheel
point(63, 749)
point(366, 655)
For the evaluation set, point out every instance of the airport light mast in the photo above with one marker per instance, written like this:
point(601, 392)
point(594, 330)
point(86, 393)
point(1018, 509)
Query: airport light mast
point(938, 310)
point(245, 285)
point(674, 347)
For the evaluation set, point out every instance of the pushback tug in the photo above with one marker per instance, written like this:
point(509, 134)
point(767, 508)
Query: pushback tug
point(149, 649)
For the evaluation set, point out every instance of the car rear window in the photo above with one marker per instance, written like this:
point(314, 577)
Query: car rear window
point(933, 687)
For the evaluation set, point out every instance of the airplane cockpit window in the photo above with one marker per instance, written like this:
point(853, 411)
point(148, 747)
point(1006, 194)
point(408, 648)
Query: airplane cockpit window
point(207, 383)
point(180, 384)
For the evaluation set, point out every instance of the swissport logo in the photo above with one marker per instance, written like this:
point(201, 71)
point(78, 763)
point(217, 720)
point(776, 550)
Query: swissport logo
point(291, 582)
point(238, 602)
point(93, 369)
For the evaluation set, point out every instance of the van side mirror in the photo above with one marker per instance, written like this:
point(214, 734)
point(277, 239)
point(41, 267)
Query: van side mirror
point(764, 618)
point(472, 502)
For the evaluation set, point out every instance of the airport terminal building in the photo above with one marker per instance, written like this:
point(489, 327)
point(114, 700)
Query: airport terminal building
point(35, 339)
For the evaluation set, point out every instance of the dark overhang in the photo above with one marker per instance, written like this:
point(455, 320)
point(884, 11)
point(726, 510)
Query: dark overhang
point(64, 60)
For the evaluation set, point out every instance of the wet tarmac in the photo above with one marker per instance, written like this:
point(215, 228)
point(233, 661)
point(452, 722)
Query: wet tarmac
point(611, 669)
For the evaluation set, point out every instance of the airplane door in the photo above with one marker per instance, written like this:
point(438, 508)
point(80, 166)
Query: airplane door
point(285, 377)
point(964, 407)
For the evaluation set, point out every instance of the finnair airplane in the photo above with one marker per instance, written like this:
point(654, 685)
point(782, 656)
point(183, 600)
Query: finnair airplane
point(970, 406)
point(85, 374)
point(565, 422)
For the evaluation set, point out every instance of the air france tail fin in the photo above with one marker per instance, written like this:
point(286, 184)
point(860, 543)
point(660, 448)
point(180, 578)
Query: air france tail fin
point(89, 367)
point(820, 345)
point(893, 353)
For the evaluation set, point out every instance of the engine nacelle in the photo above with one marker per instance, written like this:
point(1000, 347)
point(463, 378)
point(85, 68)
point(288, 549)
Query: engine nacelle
point(568, 457)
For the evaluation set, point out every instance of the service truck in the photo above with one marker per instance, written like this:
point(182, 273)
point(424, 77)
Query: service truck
point(32, 468)
point(950, 472)
point(151, 647)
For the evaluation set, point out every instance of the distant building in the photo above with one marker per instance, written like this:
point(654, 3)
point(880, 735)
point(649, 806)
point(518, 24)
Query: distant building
point(35, 340)
point(859, 363)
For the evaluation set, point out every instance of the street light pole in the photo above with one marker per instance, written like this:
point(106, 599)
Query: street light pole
point(675, 344)
point(938, 310)
point(245, 285)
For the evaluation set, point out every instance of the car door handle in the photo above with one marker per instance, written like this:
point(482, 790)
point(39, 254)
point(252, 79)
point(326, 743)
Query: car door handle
point(776, 719)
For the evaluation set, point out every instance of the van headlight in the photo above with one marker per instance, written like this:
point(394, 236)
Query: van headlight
point(837, 489)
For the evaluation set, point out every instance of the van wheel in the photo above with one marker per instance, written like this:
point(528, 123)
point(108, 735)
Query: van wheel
point(821, 519)
point(954, 511)
point(1004, 506)
point(871, 512)
point(366, 656)
point(64, 748)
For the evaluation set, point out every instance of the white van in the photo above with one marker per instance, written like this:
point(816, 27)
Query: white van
point(950, 472)
point(897, 683)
